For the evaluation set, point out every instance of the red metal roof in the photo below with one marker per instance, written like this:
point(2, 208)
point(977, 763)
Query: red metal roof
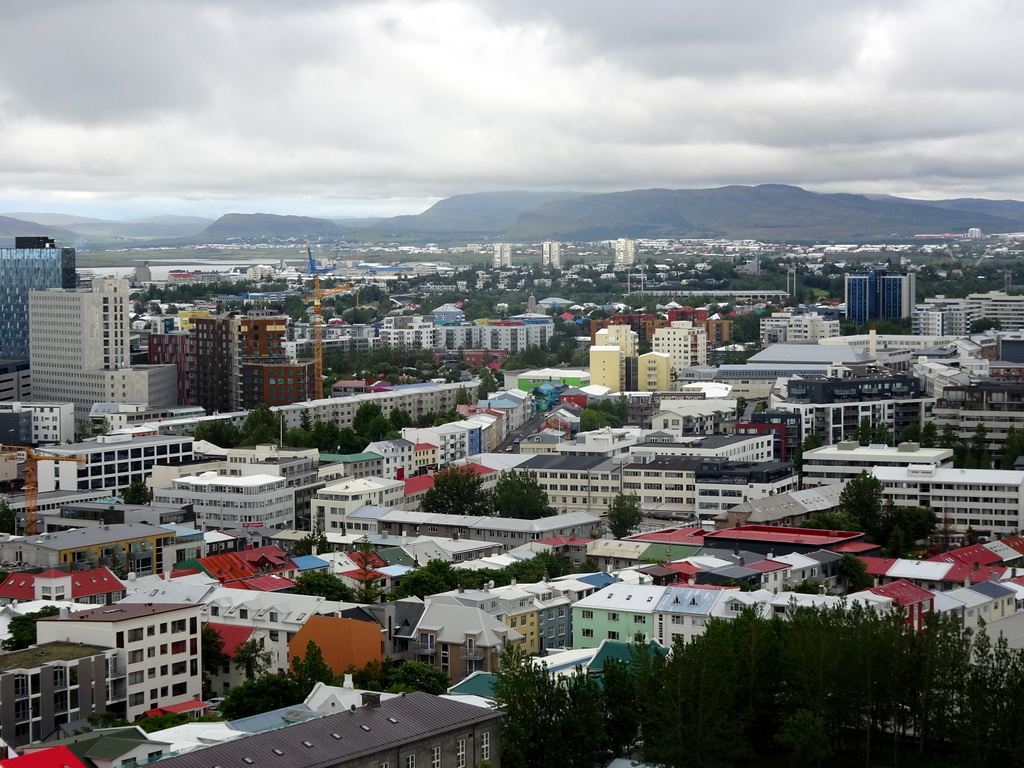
point(268, 582)
point(767, 566)
point(174, 709)
point(974, 553)
point(19, 586)
point(878, 566)
point(784, 535)
point(693, 536)
point(226, 567)
point(232, 635)
point(903, 592)
point(963, 571)
point(271, 556)
point(854, 547)
point(424, 447)
point(98, 581)
point(95, 582)
point(54, 757)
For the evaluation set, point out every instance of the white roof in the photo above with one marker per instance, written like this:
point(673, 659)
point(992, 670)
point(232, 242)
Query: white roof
point(636, 598)
point(796, 560)
point(362, 484)
point(921, 570)
point(949, 475)
point(237, 481)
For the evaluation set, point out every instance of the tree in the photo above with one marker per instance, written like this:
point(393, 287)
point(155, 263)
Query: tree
point(457, 491)
point(912, 434)
point(8, 519)
point(811, 441)
point(400, 419)
point(323, 585)
point(861, 498)
point(864, 432)
point(221, 433)
point(262, 426)
point(741, 407)
point(369, 590)
point(831, 521)
point(378, 429)
point(252, 659)
point(519, 494)
point(419, 676)
point(214, 657)
point(896, 546)
point(436, 576)
point(929, 435)
point(305, 420)
point(314, 540)
point(312, 669)
point(855, 573)
point(137, 493)
point(624, 515)
point(462, 396)
point(365, 415)
point(978, 451)
point(263, 694)
point(983, 324)
point(487, 384)
point(1013, 447)
point(882, 435)
point(22, 629)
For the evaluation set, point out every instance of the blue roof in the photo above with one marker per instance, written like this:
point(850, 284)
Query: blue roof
point(992, 589)
point(477, 684)
point(278, 718)
point(183, 531)
point(598, 580)
point(309, 562)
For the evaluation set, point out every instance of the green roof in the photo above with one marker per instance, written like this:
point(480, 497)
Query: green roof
point(477, 684)
point(396, 556)
point(106, 743)
point(348, 457)
point(37, 655)
point(620, 652)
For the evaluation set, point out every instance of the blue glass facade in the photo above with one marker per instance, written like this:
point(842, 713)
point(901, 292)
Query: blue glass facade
point(23, 270)
point(879, 294)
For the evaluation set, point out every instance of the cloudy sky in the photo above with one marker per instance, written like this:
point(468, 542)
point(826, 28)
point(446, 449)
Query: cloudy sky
point(120, 108)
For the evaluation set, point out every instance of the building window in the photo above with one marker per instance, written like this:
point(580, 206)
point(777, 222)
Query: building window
point(435, 758)
point(613, 617)
point(410, 761)
point(588, 614)
point(588, 633)
point(612, 635)
point(485, 745)
point(460, 754)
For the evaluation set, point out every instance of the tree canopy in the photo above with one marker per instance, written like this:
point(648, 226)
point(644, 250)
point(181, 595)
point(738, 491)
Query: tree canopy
point(457, 491)
point(624, 515)
point(519, 494)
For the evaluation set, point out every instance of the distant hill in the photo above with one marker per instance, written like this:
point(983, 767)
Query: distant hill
point(768, 212)
point(11, 228)
point(109, 229)
point(484, 214)
point(256, 225)
point(1006, 209)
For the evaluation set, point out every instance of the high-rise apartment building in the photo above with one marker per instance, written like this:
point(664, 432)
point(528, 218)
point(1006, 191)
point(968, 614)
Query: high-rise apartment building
point(502, 255)
point(80, 350)
point(685, 343)
point(625, 252)
point(878, 294)
point(551, 255)
point(34, 264)
point(240, 362)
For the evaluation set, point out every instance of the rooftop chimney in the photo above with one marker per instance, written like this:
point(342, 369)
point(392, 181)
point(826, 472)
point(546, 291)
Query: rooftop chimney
point(371, 699)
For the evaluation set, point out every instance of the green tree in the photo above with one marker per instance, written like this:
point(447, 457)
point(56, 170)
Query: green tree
point(488, 385)
point(350, 442)
point(1013, 447)
point(462, 396)
point(400, 419)
point(929, 435)
point(983, 324)
point(805, 734)
point(214, 657)
point(314, 540)
point(312, 669)
point(624, 515)
point(305, 420)
point(436, 576)
point(253, 659)
point(861, 498)
point(369, 590)
point(855, 573)
point(519, 494)
point(221, 433)
point(912, 434)
point(262, 426)
point(457, 491)
point(811, 441)
point(263, 694)
point(137, 493)
point(864, 432)
point(378, 429)
point(419, 676)
point(365, 415)
point(741, 407)
point(978, 450)
point(897, 543)
point(882, 435)
point(831, 521)
point(8, 519)
point(323, 585)
point(22, 629)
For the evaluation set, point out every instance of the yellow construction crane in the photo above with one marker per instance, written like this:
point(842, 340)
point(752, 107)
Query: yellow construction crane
point(31, 485)
point(318, 331)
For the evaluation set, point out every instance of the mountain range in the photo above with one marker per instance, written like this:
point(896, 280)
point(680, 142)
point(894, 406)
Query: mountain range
point(772, 212)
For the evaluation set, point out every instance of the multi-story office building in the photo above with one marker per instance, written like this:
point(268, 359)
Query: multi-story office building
point(243, 501)
point(797, 327)
point(502, 255)
point(878, 294)
point(937, 317)
point(836, 464)
point(997, 305)
point(34, 264)
point(139, 548)
point(996, 405)
point(551, 255)
point(80, 351)
point(168, 346)
point(158, 651)
point(48, 423)
point(15, 380)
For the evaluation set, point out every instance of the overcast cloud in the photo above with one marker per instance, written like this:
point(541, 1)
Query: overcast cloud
point(122, 108)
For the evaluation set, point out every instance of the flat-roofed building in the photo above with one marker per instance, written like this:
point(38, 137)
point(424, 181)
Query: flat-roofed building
point(836, 464)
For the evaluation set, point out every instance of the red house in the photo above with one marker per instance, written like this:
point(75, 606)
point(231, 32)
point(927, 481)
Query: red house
point(915, 601)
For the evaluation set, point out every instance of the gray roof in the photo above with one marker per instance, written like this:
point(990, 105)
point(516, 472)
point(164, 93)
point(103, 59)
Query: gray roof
point(783, 505)
point(992, 589)
point(89, 537)
point(345, 737)
point(570, 463)
point(809, 353)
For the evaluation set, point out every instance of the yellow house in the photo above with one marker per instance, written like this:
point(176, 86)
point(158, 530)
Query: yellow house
point(654, 372)
point(521, 614)
point(424, 456)
point(607, 368)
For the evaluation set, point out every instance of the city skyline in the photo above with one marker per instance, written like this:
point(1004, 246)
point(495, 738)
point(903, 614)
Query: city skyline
point(379, 109)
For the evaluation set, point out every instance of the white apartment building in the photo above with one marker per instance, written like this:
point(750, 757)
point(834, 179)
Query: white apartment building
point(399, 457)
point(727, 447)
point(220, 501)
point(110, 462)
point(333, 504)
point(989, 501)
point(52, 423)
point(949, 318)
point(686, 344)
point(80, 351)
point(413, 332)
point(159, 658)
point(625, 252)
point(836, 464)
point(997, 305)
point(501, 255)
point(452, 440)
point(787, 327)
point(551, 255)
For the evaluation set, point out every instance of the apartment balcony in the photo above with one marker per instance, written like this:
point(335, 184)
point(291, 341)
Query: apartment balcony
point(476, 652)
point(427, 649)
point(117, 690)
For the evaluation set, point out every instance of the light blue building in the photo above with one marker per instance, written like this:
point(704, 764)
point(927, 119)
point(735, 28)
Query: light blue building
point(34, 264)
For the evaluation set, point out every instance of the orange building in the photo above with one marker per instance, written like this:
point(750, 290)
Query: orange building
point(345, 643)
